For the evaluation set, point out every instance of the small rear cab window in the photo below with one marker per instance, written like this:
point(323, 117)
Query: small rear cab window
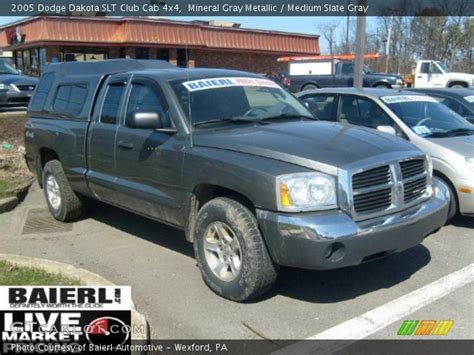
point(70, 98)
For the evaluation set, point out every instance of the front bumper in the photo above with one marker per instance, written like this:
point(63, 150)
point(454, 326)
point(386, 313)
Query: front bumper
point(14, 98)
point(333, 239)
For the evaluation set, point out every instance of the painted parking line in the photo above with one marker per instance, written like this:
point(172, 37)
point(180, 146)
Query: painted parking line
point(381, 317)
point(371, 322)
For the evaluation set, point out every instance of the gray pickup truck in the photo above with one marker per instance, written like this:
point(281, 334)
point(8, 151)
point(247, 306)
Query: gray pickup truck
point(235, 161)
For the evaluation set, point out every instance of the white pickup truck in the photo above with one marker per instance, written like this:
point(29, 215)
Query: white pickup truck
point(434, 74)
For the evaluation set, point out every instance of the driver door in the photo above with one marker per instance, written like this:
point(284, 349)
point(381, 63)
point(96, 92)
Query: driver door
point(148, 161)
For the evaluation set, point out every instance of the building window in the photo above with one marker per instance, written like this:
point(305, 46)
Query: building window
point(82, 55)
point(163, 54)
point(26, 62)
point(142, 53)
point(19, 60)
point(182, 58)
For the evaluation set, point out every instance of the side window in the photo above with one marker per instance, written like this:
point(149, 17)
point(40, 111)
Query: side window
point(41, 93)
point(322, 106)
point(111, 105)
point(425, 68)
point(435, 69)
point(363, 112)
point(347, 69)
point(453, 105)
point(70, 99)
point(144, 98)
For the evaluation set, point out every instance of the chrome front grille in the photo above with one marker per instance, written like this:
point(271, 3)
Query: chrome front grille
point(414, 189)
point(393, 186)
point(373, 201)
point(377, 176)
point(412, 168)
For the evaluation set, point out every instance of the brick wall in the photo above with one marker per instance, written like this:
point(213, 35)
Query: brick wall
point(253, 62)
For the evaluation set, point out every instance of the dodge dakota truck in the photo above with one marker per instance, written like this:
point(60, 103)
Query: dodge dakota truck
point(238, 163)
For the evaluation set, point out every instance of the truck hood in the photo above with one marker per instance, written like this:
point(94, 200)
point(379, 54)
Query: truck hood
point(17, 79)
point(463, 76)
point(463, 145)
point(315, 145)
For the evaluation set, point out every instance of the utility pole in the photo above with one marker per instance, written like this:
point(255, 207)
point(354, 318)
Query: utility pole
point(387, 45)
point(360, 49)
point(346, 44)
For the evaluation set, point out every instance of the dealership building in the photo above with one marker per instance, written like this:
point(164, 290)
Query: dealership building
point(36, 41)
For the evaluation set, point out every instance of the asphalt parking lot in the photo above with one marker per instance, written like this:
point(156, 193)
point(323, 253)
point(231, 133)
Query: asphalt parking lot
point(431, 281)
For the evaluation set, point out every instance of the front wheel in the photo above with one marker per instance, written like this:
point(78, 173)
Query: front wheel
point(453, 202)
point(230, 251)
point(62, 202)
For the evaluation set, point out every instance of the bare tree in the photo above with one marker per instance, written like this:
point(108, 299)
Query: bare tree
point(328, 31)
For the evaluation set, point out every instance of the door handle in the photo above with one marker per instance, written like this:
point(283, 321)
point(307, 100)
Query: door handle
point(419, 77)
point(125, 145)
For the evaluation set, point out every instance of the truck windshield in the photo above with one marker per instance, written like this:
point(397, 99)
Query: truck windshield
point(427, 117)
point(443, 67)
point(6, 68)
point(236, 99)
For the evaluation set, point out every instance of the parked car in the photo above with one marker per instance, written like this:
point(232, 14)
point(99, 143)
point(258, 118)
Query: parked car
point(310, 75)
point(434, 74)
point(444, 135)
point(238, 163)
point(15, 89)
point(460, 101)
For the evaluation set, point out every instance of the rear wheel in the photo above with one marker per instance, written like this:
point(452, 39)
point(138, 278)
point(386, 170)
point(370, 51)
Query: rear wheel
point(62, 202)
point(457, 86)
point(230, 251)
point(309, 87)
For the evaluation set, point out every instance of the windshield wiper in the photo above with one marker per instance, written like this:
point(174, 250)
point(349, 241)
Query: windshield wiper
point(219, 120)
point(451, 133)
point(286, 116)
point(252, 119)
point(461, 130)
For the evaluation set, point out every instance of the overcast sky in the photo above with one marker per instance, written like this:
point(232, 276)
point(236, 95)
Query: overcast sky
point(307, 25)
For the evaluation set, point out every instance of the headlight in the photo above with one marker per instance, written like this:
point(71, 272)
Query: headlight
point(399, 82)
point(306, 191)
point(470, 163)
point(3, 86)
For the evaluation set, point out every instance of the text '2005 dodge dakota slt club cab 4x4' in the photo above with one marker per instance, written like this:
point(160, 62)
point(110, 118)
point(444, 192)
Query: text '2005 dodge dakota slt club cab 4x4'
point(235, 161)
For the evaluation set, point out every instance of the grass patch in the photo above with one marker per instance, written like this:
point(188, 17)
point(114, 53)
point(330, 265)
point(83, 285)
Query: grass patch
point(5, 186)
point(18, 275)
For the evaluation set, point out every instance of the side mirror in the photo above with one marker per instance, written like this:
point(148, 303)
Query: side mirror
point(144, 120)
point(387, 129)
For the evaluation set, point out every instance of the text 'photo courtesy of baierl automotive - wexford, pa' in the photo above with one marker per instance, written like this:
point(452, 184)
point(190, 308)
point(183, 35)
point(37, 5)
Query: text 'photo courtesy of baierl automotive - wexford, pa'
point(236, 176)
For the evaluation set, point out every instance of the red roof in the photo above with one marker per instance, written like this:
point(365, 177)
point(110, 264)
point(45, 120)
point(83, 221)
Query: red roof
point(99, 31)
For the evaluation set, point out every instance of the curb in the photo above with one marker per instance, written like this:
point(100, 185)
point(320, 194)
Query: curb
point(8, 204)
point(18, 195)
point(87, 278)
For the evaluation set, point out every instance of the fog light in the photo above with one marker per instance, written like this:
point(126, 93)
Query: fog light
point(335, 252)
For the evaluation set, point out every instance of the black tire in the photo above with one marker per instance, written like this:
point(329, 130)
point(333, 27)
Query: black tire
point(457, 86)
point(382, 86)
point(70, 206)
point(309, 87)
point(453, 200)
point(258, 273)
